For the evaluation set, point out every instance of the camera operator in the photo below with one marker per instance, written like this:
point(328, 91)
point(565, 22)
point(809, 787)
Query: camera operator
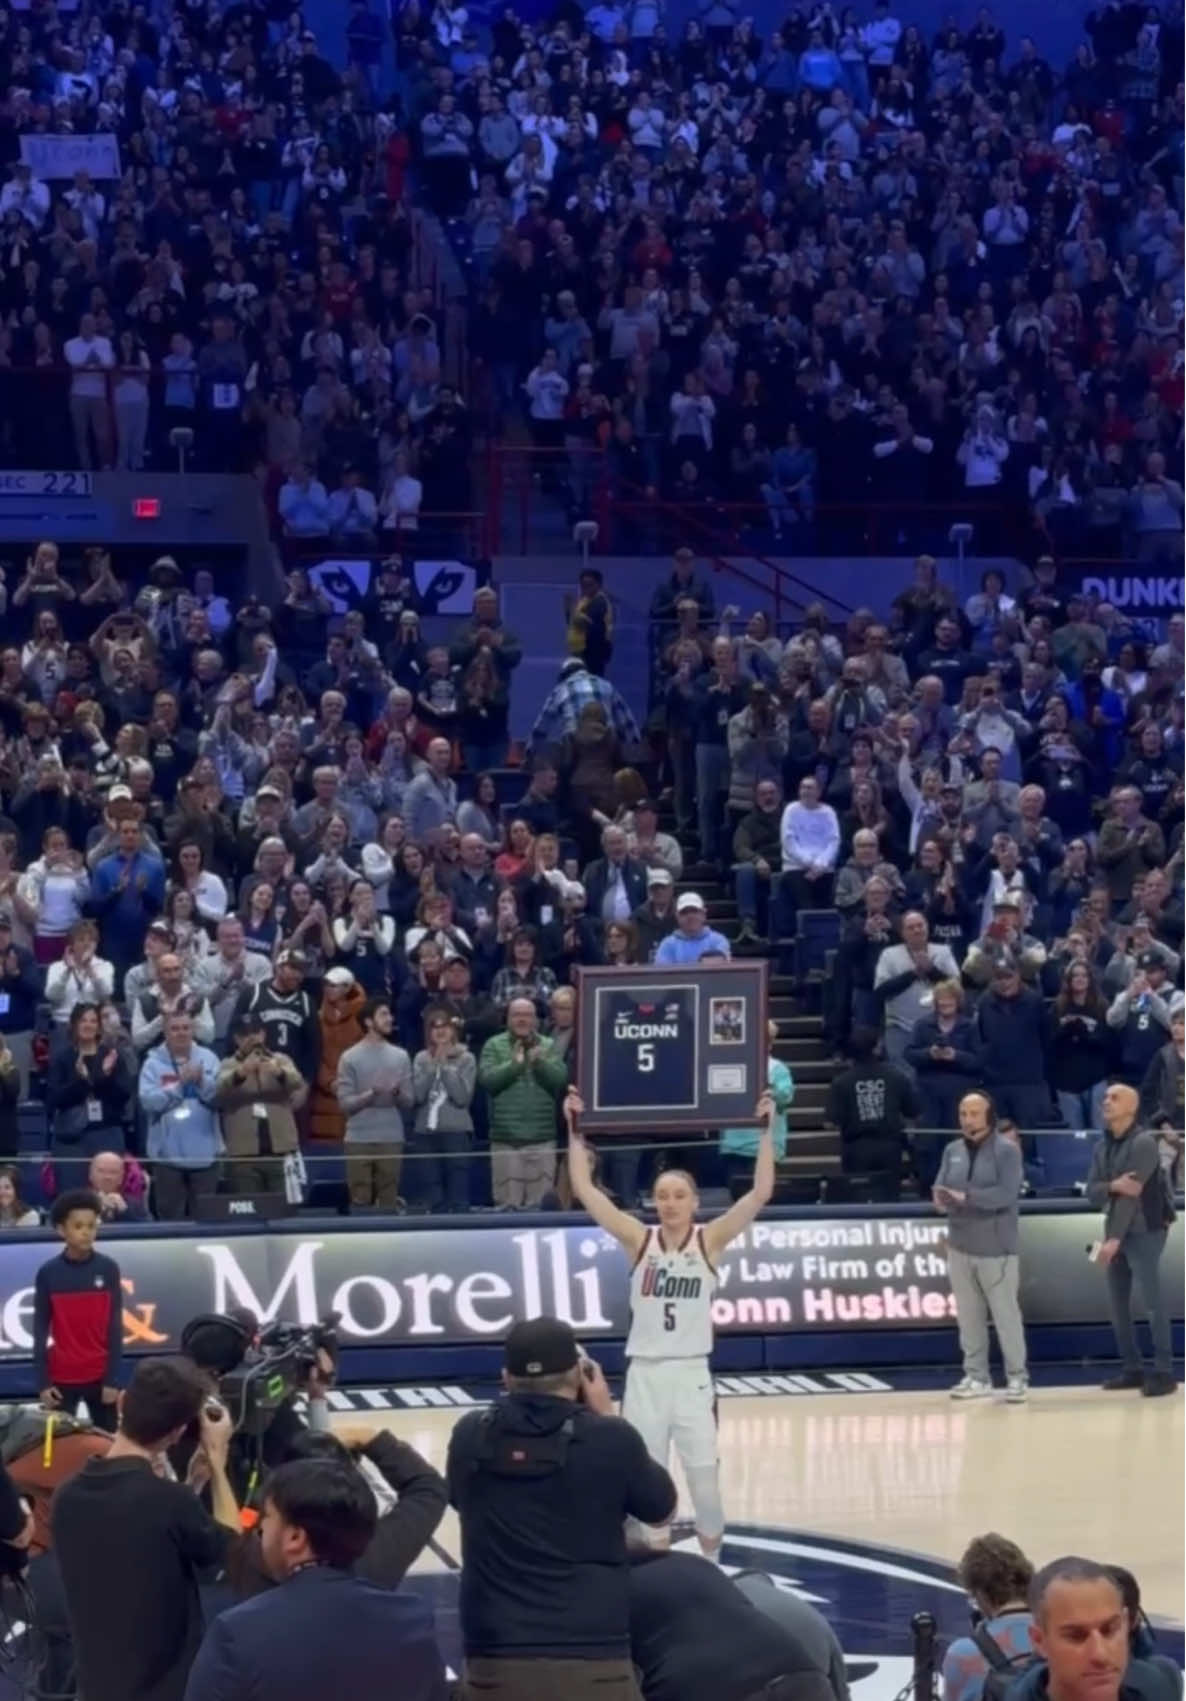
point(321, 1632)
point(696, 1635)
point(410, 1497)
point(130, 1543)
point(543, 1483)
point(258, 1093)
point(218, 1345)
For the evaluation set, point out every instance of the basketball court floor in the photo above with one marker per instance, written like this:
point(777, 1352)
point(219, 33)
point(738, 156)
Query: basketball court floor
point(862, 1500)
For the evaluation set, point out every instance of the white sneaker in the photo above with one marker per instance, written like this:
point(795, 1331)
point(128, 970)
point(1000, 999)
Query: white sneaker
point(970, 1389)
point(1017, 1390)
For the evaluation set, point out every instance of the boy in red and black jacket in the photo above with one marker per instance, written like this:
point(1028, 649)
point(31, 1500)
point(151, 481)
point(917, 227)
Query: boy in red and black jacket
point(78, 1316)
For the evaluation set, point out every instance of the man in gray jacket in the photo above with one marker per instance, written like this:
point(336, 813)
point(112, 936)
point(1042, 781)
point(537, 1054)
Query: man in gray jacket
point(1127, 1182)
point(978, 1188)
point(904, 984)
point(374, 1088)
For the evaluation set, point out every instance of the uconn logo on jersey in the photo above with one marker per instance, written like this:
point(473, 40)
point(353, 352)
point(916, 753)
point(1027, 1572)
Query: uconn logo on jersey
point(645, 1023)
point(658, 1282)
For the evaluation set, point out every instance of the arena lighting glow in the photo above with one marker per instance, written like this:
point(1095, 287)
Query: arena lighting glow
point(146, 507)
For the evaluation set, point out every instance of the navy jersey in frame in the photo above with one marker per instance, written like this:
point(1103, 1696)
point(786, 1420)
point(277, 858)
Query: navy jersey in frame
point(647, 1041)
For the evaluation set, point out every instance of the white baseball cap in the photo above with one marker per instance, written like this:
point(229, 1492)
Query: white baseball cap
point(688, 901)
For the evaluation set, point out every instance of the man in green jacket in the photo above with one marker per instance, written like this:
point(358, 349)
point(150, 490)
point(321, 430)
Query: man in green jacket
point(524, 1080)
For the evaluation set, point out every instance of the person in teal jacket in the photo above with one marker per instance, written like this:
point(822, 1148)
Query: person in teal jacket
point(739, 1146)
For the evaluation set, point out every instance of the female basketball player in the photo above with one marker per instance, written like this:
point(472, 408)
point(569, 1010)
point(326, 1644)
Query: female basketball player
point(668, 1395)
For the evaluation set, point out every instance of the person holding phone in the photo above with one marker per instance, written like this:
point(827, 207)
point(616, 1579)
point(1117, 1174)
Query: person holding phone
point(978, 1188)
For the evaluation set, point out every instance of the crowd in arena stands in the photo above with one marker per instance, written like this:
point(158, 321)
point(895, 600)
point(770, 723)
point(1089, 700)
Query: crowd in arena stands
point(987, 800)
point(839, 264)
point(265, 900)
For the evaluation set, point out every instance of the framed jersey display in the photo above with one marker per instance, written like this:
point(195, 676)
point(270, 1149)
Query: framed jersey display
point(672, 1047)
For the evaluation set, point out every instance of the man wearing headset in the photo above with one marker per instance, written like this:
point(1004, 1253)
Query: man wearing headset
point(978, 1188)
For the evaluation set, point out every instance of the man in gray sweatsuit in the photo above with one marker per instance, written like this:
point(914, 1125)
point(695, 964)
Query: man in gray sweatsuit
point(978, 1187)
point(1127, 1182)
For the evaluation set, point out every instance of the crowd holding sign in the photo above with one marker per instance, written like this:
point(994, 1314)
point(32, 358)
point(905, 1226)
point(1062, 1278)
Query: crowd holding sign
point(65, 156)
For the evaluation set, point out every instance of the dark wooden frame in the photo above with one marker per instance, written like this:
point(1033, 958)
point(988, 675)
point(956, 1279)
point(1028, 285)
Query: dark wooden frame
point(745, 978)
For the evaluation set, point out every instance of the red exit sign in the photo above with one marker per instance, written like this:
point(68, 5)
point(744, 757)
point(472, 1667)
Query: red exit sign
point(146, 508)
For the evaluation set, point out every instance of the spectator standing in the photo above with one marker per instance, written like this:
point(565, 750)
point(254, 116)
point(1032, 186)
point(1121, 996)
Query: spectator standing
point(90, 356)
point(1128, 1184)
point(1079, 1048)
point(285, 1010)
point(525, 1081)
point(127, 891)
point(944, 1052)
point(87, 1092)
point(22, 986)
point(79, 976)
point(373, 1084)
point(78, 1316)
point(978, 1187)
point(153, 1533)
point(564, 1518)
point(319, 1520)
point(341, 1026)
point(178, 1083)
point(1128, 844)
point(258, 1093)
point(1139, 1016)
point(904, 983)
point(444, 1077)
point(721, 696)
point(1010, 1023)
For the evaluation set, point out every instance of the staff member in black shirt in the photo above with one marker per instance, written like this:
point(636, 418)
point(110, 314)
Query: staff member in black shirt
point(543, 1483)
point(130, 1543)
point(870, 1104)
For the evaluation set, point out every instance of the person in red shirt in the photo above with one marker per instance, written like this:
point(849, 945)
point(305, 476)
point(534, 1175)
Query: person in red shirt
point(78, 1316)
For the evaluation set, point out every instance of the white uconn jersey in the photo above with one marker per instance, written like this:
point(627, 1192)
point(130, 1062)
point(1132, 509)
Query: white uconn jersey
point(671, 1300)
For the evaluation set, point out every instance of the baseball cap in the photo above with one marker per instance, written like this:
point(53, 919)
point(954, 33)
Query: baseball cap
point(296, 960)
point(683, 553)
point(1150, 960)
point(268, 791)
point(1004, 963)
point(119, 794)
point(334, 977)
point(161, 927)
point(659, 877)
point(543, 1346)
point(688, 901)
point(1008, 901)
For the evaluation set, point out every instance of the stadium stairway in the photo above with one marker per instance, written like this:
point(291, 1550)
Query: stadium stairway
point(813, 1151)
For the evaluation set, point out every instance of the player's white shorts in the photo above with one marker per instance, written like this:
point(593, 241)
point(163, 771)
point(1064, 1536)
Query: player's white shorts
point(670, 1403)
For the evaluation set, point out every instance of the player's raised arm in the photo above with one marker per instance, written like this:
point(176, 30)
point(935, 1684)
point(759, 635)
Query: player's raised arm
point(726, 1227)
point(626, 1230)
